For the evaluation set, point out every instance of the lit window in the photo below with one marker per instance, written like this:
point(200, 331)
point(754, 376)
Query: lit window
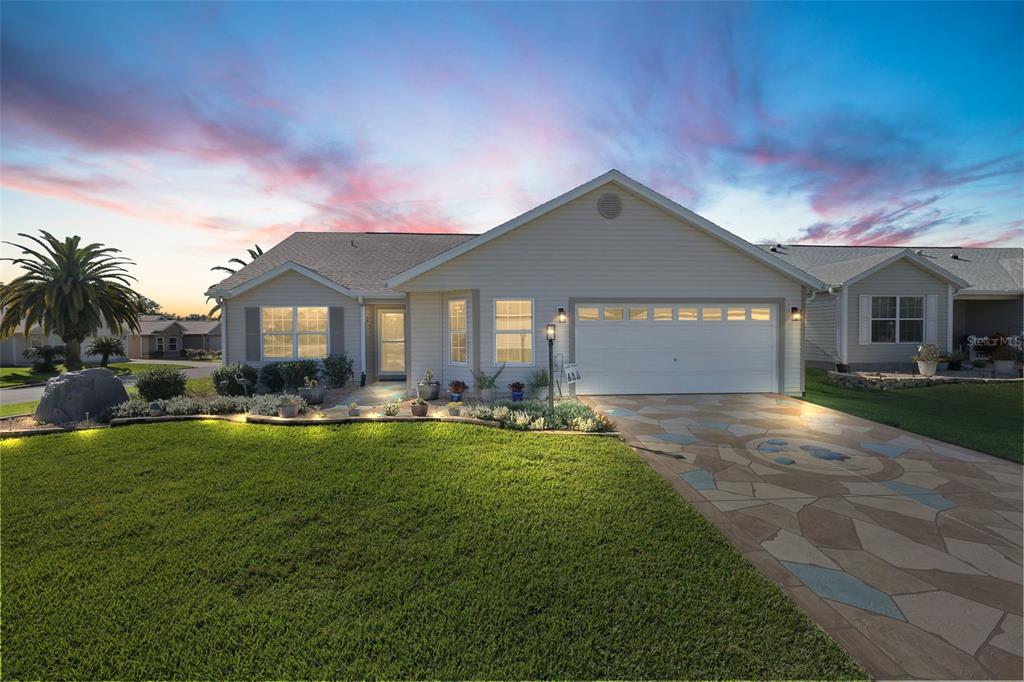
point(637, 314)
point(294, 332)
point(760, 314)
point(662, 313)
point(612, 313)
point(712, 314)
point(586, 314)
point(457, 332)
point(513, 332)
point(687, 314)
point(736, 314)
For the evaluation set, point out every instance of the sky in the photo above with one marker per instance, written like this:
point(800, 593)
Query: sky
point(183, 133)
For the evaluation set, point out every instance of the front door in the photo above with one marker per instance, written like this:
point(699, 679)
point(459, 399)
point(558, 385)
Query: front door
point(391, 341)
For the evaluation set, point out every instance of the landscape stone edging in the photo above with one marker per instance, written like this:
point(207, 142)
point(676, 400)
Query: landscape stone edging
point(881, 382)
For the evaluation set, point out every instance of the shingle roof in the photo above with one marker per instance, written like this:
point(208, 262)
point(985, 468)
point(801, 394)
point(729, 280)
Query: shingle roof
point(362, 261)
point(153, 324)
point(200, 326)
point(987, 270)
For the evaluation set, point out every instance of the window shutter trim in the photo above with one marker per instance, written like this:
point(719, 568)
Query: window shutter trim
point(252, 334)
point(931, 319)
point(336, 324)
point(864, 315)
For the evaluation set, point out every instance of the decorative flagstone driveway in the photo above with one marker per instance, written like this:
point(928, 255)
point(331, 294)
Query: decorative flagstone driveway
point(907, 551)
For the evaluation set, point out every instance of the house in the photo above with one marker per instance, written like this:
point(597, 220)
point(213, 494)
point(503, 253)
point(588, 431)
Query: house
point(162, 337)
point(642, 296)
point(883, 302)
point(12, 348)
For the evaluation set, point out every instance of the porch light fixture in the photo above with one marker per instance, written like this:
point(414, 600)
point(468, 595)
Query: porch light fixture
point(561, 315)
point(795, 314)
point(550, 333)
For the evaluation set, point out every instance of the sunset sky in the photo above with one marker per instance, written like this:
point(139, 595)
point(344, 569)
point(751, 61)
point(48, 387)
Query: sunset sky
point(185, 132)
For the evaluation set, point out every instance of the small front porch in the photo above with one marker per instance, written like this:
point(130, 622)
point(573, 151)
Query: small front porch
point(975, 319)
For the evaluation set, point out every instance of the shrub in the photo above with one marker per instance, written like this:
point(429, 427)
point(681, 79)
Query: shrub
point(160, 384)
point(266, 405)
point(184, 405)
point(225, 379)
point(337, 369)
point(295, 372)
point(133, 407)
point(106, 346)
point(199, 354)
point(271, 377)
point(45, 358)
point(229, 404)
point(536, 415)
point(391, 408)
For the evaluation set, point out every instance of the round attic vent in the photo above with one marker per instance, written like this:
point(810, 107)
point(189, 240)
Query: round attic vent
point(609, 206)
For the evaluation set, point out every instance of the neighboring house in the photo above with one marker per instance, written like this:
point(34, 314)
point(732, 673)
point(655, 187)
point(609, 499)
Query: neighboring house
point(657, 300)
point(884, 302)
point(162, 337)
point(12, 348)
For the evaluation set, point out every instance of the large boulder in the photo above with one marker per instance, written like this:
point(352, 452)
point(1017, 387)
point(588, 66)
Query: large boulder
point(71, 396)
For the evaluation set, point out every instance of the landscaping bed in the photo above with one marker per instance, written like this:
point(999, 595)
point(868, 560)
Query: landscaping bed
point(386, 550)
point(984, 417)
point(13, 377)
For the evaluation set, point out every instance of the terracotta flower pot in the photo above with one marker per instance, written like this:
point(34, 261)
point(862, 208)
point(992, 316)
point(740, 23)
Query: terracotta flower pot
point(419, 410)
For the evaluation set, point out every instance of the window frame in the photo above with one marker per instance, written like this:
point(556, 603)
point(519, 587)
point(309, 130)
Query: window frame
point(160, 344)
point(464, 332)
point(172, 344)
point(897, 332)
point(295, 333)
point(532, 331)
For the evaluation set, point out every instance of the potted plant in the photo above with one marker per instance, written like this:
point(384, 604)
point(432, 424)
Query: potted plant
point(288, 406)
point(842, 368)
point(538, 384)
point(517, 388)
point(155, 410)
point(353, 409)
point(485, 383)
point(1004, 357)
point(312, 392)
point(420, 407)
point(927, 359)
point(455, 390)
point(943, 363)
point(956, 361)
point(454, 408)
point(391, 408)
point(428, 389)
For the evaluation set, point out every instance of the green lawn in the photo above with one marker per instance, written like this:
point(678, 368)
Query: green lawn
point(7, 409)
point(219, 550)
point(11, 377)
point(984, 417)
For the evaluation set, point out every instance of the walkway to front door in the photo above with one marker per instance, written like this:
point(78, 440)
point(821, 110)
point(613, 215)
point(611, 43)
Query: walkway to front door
point(907, 551)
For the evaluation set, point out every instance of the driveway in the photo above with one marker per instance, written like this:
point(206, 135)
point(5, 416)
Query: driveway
point(907, 551)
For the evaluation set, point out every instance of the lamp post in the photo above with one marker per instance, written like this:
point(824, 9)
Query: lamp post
point(550, 332)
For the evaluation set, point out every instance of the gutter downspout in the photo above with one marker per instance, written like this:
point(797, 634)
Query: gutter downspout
point(362, 341)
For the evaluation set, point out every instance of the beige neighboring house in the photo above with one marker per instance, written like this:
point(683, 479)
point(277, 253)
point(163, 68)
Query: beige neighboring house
point(162, 337)
point(12, 348)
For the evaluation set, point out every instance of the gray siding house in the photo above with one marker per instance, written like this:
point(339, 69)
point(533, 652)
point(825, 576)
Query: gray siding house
point(643, 296)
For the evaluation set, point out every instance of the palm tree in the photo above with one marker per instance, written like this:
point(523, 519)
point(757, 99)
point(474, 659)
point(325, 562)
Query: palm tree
point(105, 346)
point(254, 253)
point(69, 289)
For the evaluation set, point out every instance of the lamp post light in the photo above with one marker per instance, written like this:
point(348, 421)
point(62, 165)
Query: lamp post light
point(550, 333)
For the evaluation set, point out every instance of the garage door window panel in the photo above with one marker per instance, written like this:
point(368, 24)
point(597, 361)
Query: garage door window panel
point(613, 313)
point(687, 314)
point(736, 314)
point(638, 314)
point(761, 314)
point(711, 314)
point(587, 314)
point(662, 314)
point(513, 332)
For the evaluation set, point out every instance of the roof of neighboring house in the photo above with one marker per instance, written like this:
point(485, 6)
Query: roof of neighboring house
point(359, 261)
point(154, 324)
point(986, 270)
point(200, 326)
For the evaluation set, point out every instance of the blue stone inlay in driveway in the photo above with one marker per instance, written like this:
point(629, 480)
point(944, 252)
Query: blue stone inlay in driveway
point(717, 426)
point(784, 460)
point(842, 587)
point(700, 479)
point(890, 451)
point(928, 498)
point(764, 447)
point(775, 441)
point(830, 456)
point(813, 448)
point(680, 438)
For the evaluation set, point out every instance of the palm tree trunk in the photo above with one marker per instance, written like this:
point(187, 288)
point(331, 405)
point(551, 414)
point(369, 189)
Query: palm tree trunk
point(72, 354)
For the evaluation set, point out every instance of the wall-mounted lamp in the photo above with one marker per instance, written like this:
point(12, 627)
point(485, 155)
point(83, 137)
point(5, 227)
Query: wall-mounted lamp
point(796, 314)
point(561, 315)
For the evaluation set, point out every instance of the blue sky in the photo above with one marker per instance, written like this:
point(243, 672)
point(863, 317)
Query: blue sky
point(183, 132)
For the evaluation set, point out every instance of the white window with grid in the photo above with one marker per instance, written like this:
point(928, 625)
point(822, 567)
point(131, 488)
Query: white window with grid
point(513, 331)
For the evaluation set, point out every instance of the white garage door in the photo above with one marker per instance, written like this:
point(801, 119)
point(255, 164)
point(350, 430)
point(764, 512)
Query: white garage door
point(662, 348)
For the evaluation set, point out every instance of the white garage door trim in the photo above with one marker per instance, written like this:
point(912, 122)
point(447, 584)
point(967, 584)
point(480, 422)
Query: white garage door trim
point(690, 376)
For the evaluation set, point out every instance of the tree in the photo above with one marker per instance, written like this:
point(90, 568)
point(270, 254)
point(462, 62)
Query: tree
point(70, 290)
point(149, 307)
point(105, 346)
point(254, 253)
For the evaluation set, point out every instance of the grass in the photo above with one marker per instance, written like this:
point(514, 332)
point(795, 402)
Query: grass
point(12, 377)
point(218, 550)
point(7, 409)
point(984, 417)
point(200, 387)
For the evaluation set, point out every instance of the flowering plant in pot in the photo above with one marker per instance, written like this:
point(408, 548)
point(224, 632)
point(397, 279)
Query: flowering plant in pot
point(288, 406)
point(456, 388)
point(311, 391)
point(454, 408)
point(420, 407)
point(428, 389)
point(927, 359)
point(517, 388)
point(391, 408)
point(353, 409)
